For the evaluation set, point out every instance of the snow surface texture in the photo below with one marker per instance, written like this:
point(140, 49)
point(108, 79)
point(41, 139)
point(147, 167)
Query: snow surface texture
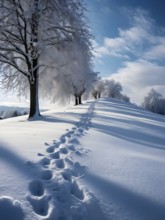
point(101, 160)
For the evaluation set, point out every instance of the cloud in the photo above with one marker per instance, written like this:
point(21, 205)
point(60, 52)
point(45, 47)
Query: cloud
point(156, 52)
point(141, 49)
point(138, 77)
point(139, 40)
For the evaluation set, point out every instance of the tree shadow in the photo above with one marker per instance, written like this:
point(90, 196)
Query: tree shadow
point(131, 126)
point(17, 162)
point(129, 109)
point(129, 202)
point(58, 118)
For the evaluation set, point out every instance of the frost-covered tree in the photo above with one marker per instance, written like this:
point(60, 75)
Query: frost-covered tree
point(98, 88)
point(75, 75)
point(154, 102)
point(28, 28)
point(78, 67)
point(108, 88)
point(125, 98)
point(112, 89)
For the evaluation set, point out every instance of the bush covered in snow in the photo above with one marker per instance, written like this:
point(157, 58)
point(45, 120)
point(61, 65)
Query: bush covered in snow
point(154, 102)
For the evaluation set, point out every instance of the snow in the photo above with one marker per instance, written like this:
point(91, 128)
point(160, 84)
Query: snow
point(10, 208)
point(100, 160)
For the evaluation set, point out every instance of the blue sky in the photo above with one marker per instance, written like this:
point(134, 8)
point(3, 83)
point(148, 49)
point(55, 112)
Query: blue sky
point(130, 43)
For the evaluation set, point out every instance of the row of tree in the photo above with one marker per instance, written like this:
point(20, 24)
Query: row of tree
point(108, 88)
point(46, 44)
point(45, 48)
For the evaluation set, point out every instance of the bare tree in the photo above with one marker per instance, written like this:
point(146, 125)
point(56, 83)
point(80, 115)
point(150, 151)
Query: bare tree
point(27, 28)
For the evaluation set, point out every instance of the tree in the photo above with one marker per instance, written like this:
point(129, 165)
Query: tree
point(27, 29)
point(108, 88)
point(79, 65)
point(75, 75)
point(112, 89)
point(98, 88)
point(154, 102)
point(125, 98)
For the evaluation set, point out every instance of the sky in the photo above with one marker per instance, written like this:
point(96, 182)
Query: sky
point(129, 43)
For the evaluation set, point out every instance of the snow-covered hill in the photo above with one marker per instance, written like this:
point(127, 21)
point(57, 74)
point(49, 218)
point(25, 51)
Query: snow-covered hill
point(102, 160)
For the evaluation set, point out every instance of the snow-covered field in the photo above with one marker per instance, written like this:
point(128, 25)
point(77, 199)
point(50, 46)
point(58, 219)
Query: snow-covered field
point(102, 160)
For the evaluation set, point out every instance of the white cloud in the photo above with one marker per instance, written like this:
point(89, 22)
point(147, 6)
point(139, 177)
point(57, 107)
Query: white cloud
point(114, 43)
point(126, 41)
point(139, 40)
point(142, 47)
point(156, 52)
point(101, 51)
point(138, 77)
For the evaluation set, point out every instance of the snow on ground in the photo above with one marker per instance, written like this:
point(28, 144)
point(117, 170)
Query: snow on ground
point(102, 160)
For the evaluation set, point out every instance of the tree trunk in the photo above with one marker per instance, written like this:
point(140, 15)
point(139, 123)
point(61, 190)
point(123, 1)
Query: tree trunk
point(79, 97)
point(99, 95)
point(33, 80)
point(76, 100)
point(34, 103)
point(94, 95)
point(79, 100)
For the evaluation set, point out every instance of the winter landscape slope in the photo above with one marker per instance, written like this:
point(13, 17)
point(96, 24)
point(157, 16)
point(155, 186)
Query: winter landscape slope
point(102, 160)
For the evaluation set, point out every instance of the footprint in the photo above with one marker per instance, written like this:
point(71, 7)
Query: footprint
point(78, 169)
point(69, 133)
point(70, 162)
point(63, 139)
point(45, 161)
point(63, 196)
point(30, 163)
point(50, 149)
point(78, 153)
point(55, 155)
point(81, 130)
point(71, 147)
point(75, 191)
point(63, 150)
point(60, 163)
point(40, 155)
point(36, 188)
point(40, 205)
point(46, 174)
point(67, 175)
point(57, 144)
point(74, 141)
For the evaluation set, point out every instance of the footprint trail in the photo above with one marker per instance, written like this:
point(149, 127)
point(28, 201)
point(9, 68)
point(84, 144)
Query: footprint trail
point(56, 191)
